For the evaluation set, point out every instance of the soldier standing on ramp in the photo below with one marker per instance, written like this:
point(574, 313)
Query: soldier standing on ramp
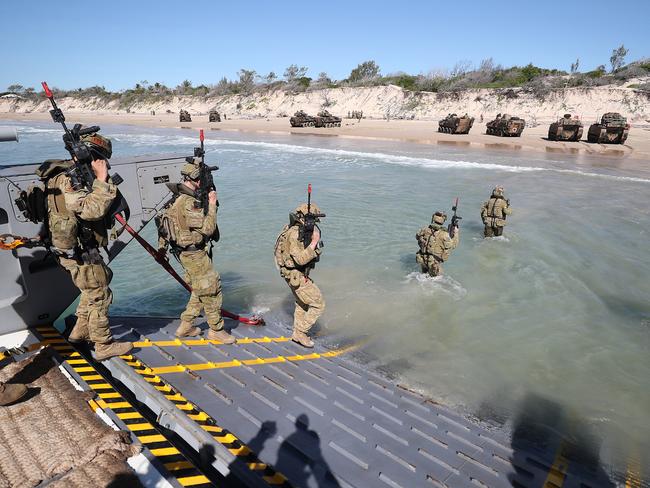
point(297, 250)
point(435, 244)
point(78, 229)
point(494, 212)
point(187, 230)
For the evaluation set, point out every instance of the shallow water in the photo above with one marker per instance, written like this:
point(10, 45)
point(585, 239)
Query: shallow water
point(557, 309)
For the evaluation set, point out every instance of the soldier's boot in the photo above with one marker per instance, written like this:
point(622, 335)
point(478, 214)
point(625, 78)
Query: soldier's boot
point(302, 339)
point(11, 393)
point(79, 332)
point(221, 336)
point(186, 329)
point(112, 349)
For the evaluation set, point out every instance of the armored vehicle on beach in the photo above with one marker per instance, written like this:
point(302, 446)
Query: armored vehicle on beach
point(453, 124)
point(326, 119)
point(505, 126)
point(185, 116)
point(214, 116)
point(567, 128)
point(612, 129)
point(301, 119)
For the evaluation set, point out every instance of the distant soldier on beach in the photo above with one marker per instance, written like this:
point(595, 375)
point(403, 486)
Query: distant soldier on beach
point(435, 244)
point(297, 250)
point(187, 230)
point(494, 212)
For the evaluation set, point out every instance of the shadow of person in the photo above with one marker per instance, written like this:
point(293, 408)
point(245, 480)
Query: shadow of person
point(256, 445)
point(300, 457)
point(124, 480)
point(559, 440)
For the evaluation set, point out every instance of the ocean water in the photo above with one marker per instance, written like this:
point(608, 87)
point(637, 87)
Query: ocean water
point(556, 312)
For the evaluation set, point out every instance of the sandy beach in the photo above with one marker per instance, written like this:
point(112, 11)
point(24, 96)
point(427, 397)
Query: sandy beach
point(636, 148)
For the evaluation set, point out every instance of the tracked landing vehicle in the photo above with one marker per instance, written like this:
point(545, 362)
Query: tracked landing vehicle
point(505, 126)
point(453, 124)
point(567, 128)
point(612, 129)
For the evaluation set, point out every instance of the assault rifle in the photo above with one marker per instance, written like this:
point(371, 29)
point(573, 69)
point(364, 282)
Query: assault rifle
point(307, 228)
point(207, 182)
point(451, 228)
point(81, 174)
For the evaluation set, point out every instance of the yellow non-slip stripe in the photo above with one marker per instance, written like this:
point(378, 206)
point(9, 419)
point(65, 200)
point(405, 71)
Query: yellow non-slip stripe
point(193, 480)
point(557, 473)
point(115, 405)
point(165, 451)
point(91, 377)
point(206, 342)
point(87, 369)
point(180, 368)
point(101, 386)
point(139, 427)
point(212, 428)
point(129, 415)
point(112, 394)
point(257, 466)
point(276, 479)
point(178, 465)
point(226, 439)
point(240, 451)
point(150, 439)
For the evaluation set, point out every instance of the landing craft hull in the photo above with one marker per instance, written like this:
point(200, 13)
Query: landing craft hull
point(34, 288)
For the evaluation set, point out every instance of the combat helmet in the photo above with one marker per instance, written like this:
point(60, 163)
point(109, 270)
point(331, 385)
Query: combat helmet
point(301, 210)
point(438, 218)
point(191, 169)
point(100, 146)
point(498, 191)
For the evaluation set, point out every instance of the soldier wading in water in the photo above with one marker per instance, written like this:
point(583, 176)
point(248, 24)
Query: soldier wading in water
point(296, 252)
point(187, 230)
point(435, 244)
point(494, 212)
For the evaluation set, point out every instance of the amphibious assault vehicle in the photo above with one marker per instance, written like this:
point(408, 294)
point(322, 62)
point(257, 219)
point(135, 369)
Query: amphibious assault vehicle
point(453, 124)
point(326, 119)
point(185, 116)
point(301, 119)
point(214, 116)
point(567, 128)
point(612, 129)
point(505, 126)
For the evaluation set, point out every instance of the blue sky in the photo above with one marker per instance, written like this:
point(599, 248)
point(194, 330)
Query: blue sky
point(118, 43)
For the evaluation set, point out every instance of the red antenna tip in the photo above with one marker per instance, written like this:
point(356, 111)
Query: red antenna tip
point(309, 188)
point(201, 135)
point(46, 88)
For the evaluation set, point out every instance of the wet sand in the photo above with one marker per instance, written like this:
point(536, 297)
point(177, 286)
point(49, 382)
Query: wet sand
point(635, 150)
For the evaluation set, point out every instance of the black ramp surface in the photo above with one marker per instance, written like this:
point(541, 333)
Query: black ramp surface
point(327, 422)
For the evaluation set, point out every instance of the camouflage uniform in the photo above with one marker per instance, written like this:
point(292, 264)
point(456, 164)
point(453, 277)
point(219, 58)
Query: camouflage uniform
point(435, 245)
point(494, 212)
point(193, 230)
point(295, 261)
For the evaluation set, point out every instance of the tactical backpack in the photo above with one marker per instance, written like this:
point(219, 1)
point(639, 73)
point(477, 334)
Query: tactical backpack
point(283, 258)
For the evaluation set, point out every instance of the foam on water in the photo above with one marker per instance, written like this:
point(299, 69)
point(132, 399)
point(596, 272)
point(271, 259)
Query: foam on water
point(439, 284)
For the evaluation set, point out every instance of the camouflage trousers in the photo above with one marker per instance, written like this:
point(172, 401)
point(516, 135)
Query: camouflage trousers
point(429, 264)
point(310, 304)
point(206, 289)
point(493, 231)
point(96, 297)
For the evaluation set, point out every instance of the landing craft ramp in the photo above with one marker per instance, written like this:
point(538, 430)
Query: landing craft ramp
point(318, 418)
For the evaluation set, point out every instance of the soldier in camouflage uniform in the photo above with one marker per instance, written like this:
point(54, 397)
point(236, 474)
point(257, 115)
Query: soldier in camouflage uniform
point(494, 212)
point(188, 231)
point(295, 260)
point(78, 226)
point(435, 244)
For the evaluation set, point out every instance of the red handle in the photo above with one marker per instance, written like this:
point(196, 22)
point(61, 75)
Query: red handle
point(46, 88)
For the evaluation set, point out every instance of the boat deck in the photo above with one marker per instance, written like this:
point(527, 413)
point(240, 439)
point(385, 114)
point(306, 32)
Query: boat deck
point(290, 416)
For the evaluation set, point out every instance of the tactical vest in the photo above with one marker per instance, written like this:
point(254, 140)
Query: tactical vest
point(173, 226)
point(66, 230)
point(431, 242)
point(493, 213)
